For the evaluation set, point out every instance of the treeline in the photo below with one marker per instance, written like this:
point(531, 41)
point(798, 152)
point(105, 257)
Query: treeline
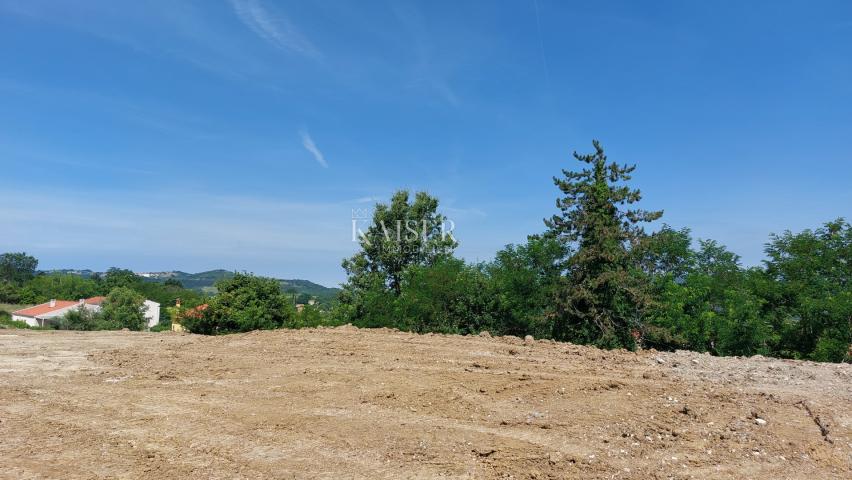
point(243, 303)
point(22, 284)
point(594, 276)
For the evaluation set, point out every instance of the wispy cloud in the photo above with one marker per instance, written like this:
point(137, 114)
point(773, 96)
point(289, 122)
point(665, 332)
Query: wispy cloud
point(310, 146)
point(431, 70)
point(277, 30)
point(541, 43)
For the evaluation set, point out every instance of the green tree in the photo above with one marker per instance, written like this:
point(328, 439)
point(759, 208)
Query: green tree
point(601, 298)
point(120, 277)
point(59, 286)
point(402, 234)
point(123, 308)
point(810, 295)
point(447, 296)
point(741, 328)
point(17, 268)
point(666, 254)
point(522, 283)
point(243, 303)
point(9, 292)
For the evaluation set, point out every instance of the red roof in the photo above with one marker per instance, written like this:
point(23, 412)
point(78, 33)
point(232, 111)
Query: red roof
point(95, 300)
point(45, 308)
point(195, 312)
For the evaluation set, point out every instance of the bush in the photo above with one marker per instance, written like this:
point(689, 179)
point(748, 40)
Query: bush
point(311, 316)
point(162, 327)
point(447, 297)
point(123, 308)
point(9, 292)
point(79, 319)
point(831, 348)
point(244, 303)
point(7, 322)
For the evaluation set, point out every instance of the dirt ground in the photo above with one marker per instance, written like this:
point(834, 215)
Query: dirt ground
point(348, 403)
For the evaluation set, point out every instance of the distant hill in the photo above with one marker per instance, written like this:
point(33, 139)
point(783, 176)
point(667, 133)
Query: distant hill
point(204, 281)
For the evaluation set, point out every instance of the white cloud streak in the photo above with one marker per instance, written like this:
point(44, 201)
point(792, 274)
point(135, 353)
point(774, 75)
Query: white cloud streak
point(310, 146)
point(276, 30)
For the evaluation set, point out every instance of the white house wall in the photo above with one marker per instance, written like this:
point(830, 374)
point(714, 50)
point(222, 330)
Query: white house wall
point(152, 313)
point(29, 320)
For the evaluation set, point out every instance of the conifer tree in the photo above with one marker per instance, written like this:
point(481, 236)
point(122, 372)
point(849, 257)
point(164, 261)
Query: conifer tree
point(603, 293)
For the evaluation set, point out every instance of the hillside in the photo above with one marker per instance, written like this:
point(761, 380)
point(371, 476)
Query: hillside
point(381, 404)
point(204, 281)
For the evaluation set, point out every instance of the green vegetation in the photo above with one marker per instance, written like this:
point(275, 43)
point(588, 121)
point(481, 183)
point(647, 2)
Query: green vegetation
point(17, 268)
point(596, 277)
point(602, 296)
point(204, 282)
point(244, 303)
point(122, 288)
point(6, 318)
point(123, 308)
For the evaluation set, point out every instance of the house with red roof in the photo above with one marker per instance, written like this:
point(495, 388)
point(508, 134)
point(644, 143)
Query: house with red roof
point(41, 315)
point(37, 316)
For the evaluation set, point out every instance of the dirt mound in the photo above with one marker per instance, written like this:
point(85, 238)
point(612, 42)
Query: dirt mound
point(350, 403)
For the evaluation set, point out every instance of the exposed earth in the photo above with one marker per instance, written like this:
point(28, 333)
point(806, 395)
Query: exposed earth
point(348, 403)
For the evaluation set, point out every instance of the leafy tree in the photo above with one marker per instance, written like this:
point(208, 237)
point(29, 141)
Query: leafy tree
point(402, 234)
point(59, 286)
point(522, 284)
point(666, 254)
point(602, 297)
point(120, 277)
point(366, 301)
point(811, 295)
point(17, 268)
point(740, 326)
point(9, 292)
point(447, 296)
point(245, 302)
point(123, 308)
point(709, 303)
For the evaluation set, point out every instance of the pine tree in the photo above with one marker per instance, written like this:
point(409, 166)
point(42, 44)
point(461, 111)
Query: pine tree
point(602, 294)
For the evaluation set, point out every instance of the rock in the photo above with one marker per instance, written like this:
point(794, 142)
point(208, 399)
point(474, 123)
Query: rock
point(485, 334)
point(660, 360)
point(529, 340)
point(760, 421)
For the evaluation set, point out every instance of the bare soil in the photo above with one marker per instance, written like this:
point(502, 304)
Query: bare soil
point(348, 403)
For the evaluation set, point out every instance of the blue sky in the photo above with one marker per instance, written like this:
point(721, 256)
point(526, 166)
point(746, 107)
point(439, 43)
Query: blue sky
point(240, 134)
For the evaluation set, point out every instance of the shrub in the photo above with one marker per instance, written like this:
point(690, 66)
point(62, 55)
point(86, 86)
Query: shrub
point(123, 308)
point(79, 319)
point(245, 302)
